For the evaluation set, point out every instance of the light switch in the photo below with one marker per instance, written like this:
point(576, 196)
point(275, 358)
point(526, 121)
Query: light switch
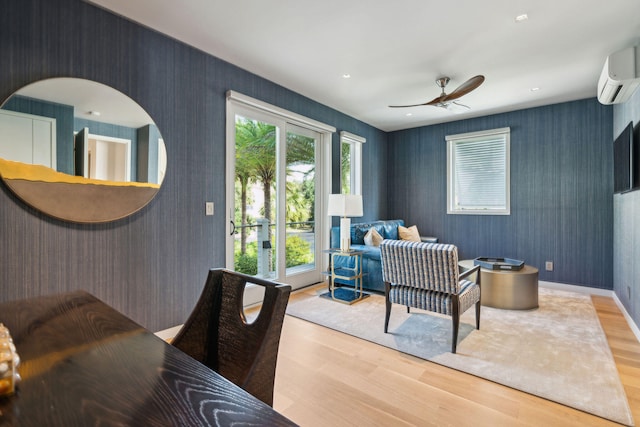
point(208, 208)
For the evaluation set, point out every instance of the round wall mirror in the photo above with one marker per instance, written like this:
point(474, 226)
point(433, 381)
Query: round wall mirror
point(79, 150)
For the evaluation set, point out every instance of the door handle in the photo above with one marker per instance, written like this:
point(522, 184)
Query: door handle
point(233, 228)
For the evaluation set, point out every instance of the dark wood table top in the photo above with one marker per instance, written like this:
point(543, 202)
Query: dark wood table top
point(86, 364)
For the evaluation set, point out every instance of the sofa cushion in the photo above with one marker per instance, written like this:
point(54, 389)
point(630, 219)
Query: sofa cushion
point(359, 230)
point(372, 238)
point(388, 229)
point(411, 233)
point(371, 252)
point(368, 253)
point(391, 228)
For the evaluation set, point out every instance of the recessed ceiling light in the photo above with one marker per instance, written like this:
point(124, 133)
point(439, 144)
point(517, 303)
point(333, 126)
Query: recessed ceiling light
point(534, 89)
point(346, 76)
point(409, 114)
point(94, 113)
point(521, 18)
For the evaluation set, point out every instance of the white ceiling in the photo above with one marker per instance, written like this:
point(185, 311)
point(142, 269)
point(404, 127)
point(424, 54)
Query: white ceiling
point(91, 100)
point(395, 50)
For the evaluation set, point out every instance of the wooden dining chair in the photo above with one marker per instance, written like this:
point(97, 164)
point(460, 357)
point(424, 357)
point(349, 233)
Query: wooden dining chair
point(218, 334)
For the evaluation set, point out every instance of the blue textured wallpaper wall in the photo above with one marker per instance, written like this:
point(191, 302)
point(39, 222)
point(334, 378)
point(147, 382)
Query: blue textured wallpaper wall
point(151, 265)
point(561, 191)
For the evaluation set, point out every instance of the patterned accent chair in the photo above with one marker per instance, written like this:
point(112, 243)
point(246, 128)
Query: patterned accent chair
point(426, 276)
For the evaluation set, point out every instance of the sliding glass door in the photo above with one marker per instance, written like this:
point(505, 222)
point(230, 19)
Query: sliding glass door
point(300, 200)
point(274, 196)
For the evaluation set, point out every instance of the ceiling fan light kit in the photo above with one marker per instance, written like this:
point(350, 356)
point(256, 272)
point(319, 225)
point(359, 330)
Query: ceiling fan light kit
point(447, 101)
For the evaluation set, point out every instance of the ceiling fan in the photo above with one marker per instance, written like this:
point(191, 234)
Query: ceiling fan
point(448, 100)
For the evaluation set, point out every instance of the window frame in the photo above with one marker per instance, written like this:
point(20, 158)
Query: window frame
point(355, 143)
point(451, 141)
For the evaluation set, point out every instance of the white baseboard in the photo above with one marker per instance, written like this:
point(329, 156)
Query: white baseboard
point(626, 315)
point(575, 288)
point(595, 291)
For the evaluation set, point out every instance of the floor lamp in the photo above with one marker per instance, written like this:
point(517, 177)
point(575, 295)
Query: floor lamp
point(345, 206)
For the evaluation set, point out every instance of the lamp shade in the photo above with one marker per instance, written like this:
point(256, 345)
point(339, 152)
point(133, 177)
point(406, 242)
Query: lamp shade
point(345, 205)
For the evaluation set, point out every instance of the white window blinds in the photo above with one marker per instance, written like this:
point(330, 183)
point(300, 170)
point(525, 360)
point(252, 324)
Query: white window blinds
point(478, 173)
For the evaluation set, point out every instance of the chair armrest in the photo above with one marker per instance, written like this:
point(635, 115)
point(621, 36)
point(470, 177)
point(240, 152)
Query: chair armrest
point(470, 272)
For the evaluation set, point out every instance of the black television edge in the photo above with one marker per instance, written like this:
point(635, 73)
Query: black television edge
point(623, 161)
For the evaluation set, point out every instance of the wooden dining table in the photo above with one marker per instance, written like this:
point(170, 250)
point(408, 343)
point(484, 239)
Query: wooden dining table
point(85, 364)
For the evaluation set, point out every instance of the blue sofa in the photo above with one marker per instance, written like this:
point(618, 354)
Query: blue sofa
point(371, 265)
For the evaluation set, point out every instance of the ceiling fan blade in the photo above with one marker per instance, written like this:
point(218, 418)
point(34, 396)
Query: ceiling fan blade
point(466, 87)
point(456, 107)
point(459, 104)
point(434, 101)
point(437, 101)
point(404, 106)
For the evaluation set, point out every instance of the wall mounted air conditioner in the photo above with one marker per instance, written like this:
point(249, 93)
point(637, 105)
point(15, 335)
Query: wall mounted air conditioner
point(620, 76)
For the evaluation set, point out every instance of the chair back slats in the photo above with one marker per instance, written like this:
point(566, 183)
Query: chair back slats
point(431, 266)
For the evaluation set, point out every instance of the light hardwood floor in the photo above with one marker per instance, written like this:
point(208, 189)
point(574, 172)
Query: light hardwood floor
point(326, 378)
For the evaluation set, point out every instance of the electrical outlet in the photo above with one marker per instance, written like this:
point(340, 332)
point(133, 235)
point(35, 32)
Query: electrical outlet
point(548, 265)
point(208, 208)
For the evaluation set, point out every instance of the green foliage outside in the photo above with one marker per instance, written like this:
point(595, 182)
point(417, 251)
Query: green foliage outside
point(247, 263)
point(256, 167)
point(297, 252)
point(345, 168)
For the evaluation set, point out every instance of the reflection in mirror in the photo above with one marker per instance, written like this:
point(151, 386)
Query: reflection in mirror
point(79, 150)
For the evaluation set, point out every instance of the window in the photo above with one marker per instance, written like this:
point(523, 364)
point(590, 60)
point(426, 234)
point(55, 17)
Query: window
point(351, 163)
point(478, 173)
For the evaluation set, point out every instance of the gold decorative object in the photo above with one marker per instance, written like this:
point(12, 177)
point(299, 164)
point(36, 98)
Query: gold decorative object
point(9, 361)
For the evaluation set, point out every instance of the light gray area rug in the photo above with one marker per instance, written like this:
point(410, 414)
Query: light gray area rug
point(558, 351)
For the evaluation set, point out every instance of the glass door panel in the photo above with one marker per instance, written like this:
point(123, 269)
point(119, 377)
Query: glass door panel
point(300, 193)
point(255, 197)
point(275, 182)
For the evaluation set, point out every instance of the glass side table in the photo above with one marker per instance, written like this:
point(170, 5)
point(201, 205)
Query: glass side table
point(354, 273)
